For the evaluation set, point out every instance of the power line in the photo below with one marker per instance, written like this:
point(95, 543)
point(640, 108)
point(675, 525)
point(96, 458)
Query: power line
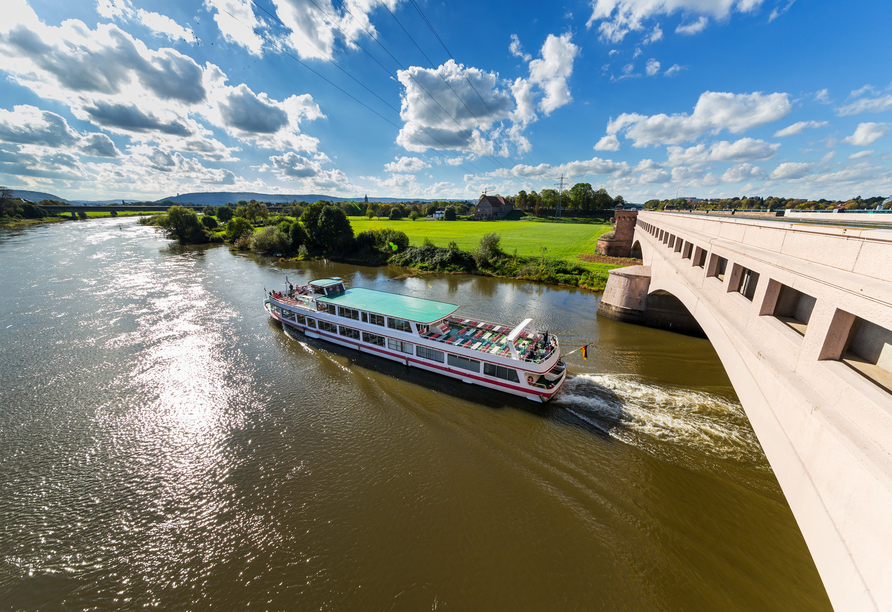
point(448, 84)
point(280, 49)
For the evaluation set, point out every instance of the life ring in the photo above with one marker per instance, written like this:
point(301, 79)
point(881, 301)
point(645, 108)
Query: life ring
point(529, 379)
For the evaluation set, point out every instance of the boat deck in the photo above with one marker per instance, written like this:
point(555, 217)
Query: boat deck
point(489, 338)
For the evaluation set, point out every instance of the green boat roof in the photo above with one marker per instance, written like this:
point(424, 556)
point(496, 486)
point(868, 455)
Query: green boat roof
point(391, 304)
point(326, 282)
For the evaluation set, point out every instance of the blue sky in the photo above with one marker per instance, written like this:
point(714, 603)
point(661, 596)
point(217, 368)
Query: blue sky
point(427, 99)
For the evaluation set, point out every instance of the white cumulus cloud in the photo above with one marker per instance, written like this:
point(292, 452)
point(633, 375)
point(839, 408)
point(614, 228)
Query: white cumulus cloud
point(713, 113)
point(652, 67)
point(693, 27)
point(790, 171)
point(516, 49)
point(552, 71)
point(743, 172)
point(608, 143)
point(798, 128)
point(866, 134)
point(743, 150)
point(406, 165)
point(617, 18)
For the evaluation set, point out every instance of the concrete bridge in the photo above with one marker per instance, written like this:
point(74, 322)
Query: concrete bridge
point(801, 317)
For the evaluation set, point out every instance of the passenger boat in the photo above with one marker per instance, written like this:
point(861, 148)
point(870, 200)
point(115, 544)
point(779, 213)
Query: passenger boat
point(425, 334)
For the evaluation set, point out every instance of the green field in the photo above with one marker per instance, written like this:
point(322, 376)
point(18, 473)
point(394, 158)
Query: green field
point(562, 240)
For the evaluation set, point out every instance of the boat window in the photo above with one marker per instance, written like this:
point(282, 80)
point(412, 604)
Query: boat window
point(399, 324)
point(311, 322)
point(376, 319)
point(399, 345)
point(301, 319)
point(319, 290)
point(500, 372)
point(426, 353)
point(348, 313)
point(288, 314)
point(324, 307)
point(373, 339)
point(326, 326)
point(365, 317)
point(464, 363)
point(348, 332)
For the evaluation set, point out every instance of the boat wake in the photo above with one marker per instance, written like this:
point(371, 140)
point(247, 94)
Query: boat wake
point(642, 413)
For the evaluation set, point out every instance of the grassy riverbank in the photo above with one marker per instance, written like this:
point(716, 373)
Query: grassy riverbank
point(526, 238)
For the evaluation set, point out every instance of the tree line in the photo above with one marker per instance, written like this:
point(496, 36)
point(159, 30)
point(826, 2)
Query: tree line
point(764, 203)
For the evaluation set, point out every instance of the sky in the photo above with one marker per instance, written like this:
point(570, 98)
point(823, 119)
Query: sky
point(105, 99)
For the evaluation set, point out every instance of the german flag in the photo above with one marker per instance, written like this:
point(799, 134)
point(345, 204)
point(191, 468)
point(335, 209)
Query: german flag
point(584, 351)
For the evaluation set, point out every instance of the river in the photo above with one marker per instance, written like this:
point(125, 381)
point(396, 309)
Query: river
point(164, 444)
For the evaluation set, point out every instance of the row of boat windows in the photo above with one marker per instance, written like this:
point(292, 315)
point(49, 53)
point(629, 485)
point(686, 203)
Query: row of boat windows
point(367, 317)
point(456, 361)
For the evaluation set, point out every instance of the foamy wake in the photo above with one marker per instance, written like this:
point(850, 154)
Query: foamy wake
point(627, 407)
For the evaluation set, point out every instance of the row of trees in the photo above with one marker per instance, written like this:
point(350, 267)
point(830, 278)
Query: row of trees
point(763, 203)
point(580, 198)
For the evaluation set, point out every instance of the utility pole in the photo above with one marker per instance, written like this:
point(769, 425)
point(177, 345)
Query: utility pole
point(557, 213)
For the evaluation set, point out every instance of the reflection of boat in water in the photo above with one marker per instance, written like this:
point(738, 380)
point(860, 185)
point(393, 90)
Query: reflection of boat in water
point(425, 334)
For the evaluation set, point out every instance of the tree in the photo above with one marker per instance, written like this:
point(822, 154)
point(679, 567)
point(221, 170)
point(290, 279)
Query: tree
point(270, 240)
point(333, 231)
point(449, 215)
point(396, 214)
point(208, 210)
point(182, 224)
point(238, 226)
point(5, 193)
point(521, 200)
point(298, 235)
point(582, 196)
point(549, 198)
point(414, 215)
point(603, 201)
point(207, 221)
point(310, 216)
point(256, 209)
point(224, 214)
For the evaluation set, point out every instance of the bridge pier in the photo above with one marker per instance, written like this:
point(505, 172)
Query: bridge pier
point(626, 298)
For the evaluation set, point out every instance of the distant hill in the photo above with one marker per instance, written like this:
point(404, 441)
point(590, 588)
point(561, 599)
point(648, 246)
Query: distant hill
point(36, 196)
point(219, 198)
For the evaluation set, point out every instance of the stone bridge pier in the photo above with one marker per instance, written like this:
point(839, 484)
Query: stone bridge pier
point(801, 318)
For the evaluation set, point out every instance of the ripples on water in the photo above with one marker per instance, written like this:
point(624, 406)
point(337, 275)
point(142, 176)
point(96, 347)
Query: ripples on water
point(163, 445)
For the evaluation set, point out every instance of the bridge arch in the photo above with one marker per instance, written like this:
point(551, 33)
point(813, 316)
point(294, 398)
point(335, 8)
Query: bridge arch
point(636, 250)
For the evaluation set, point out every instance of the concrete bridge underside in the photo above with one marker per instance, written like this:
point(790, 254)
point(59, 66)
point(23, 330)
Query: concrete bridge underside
point(801, 318)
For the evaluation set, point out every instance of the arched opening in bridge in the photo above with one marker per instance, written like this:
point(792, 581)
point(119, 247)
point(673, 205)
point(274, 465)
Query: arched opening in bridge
point(666, 311)
point(636, 251)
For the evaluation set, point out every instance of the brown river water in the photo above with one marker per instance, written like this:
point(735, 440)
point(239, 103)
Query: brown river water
point(164, 445)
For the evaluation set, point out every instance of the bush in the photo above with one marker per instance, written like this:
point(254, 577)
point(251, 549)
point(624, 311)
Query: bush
point(366, 242)
point(207, 221)
point(388, 238)
point(435, 259)
point(270, 240)
point(238, 226)
point(488, 250)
